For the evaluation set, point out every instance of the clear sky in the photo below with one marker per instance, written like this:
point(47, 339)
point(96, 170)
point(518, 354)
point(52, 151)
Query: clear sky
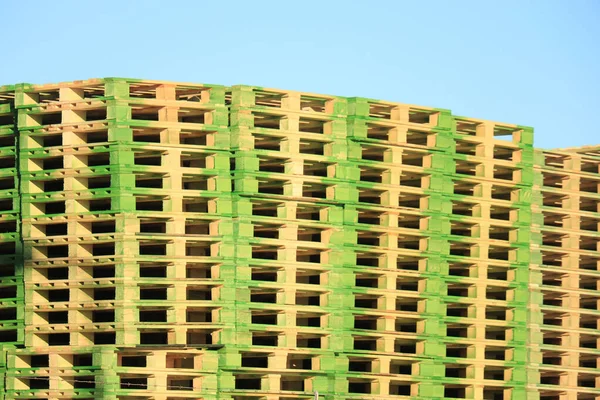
point(526, 62)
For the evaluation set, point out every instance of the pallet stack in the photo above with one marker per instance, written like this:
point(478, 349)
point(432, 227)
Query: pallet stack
point(289, 152)
point(126, 193)
point(487, 293)
point(568, 272)
point(396, 221)
point(165, 241)
point(12, 311)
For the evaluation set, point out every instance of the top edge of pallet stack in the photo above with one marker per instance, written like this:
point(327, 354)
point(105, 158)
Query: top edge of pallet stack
point(99, 81)
point(361, 106)
point(7, 88)
point(460, 118)
point(586, 150)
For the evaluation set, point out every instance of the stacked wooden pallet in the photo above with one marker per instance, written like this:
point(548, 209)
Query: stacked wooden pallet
point(165, 240)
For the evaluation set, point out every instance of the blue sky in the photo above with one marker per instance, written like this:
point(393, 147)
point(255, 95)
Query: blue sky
point(530, 62)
